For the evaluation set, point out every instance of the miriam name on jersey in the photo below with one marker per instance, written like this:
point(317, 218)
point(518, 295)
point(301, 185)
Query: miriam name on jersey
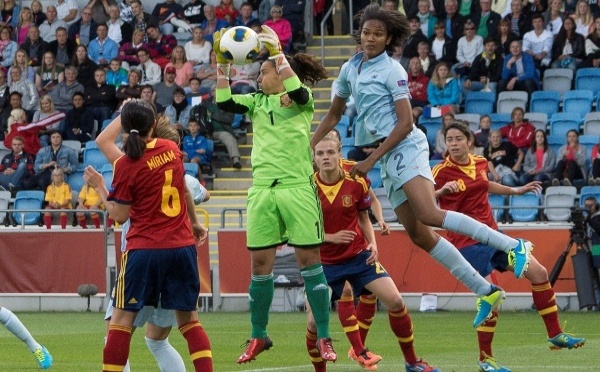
point(341, 202)
point(471, 177)
point(154, 186)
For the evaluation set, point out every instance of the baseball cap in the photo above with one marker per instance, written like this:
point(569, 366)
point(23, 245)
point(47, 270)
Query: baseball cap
point(170, 70)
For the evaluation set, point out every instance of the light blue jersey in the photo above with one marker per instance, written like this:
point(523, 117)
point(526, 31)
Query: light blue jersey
point(374, 85)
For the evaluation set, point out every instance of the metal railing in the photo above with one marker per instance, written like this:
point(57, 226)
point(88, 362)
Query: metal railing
point(328, 14)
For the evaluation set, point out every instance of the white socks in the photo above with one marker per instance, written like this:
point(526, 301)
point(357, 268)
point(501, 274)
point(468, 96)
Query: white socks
point(14, 325)
point(167, 357)
point(465, 225)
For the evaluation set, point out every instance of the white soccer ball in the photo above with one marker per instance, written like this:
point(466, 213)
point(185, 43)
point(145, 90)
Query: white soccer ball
point(240, 45)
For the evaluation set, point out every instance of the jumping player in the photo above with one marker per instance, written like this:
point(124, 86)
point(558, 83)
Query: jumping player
point(282, 203)
point(463, 186)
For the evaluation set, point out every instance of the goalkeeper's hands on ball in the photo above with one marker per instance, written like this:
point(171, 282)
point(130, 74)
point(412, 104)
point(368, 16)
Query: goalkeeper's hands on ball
point(223, 65)
point(270, 40)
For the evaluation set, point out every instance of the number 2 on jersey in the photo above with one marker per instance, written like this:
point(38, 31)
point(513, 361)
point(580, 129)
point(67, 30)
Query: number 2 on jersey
point(170, 204)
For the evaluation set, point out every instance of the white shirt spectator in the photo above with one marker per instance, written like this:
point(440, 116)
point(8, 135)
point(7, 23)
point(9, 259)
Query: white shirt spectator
point(468, 50)
point(437, 48)
point(150, 72)
point(48, 31)
point(63, 9)
point(536, 44)
point(114, 30)
point(194, 52)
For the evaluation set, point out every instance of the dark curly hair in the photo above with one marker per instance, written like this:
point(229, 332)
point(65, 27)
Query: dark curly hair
point(308, 68)
point(396, 23)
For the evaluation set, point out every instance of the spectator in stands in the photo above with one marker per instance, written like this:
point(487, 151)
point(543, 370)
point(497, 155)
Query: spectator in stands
point(243, 78)
point(128, 51)
point(504, 160)
point(568, 49)
point(442, 46)
point(453, 21)
point(85, 66)
point(518, 71)
point(207, 74)
point(427, 59)
point(319, 9)
point(417, 86)
point(195, 92)
point(62, 94)
point(195, 146)
point(440, 150)
point(141, 20)
point(414, 39)
point(49, 26)
point(170, 14)
point(62, 48)
point(211, 23)
point(88, 198)
point(482, 136)
point(50, 157)
point(595, 176)
point(427, 19)
point(540, 160)
point(486, 70)
point(469, 47)
point(100, 97)
point(14, 102)
point(37, 13)
point(538, 43)
point(163, 45)
point(18, 126)
point(67, 11)
point(570, 164)
point(102, 49)
point(34, 46)
point(165, 89)
point(58, 196)
point(281, 26)
point(520, 132)
point(443, 89)
point(197, 50)
point(486, 20)
point(101, 9)
point(118, 30)
point(49, 74)
point(227, 11)
point(29, 94)
point(79, 123)
point(179, 111)
point(116, 75)
point(4, 101)
point(47, 113)
point(184, 70)
point(504, 38)
point(246, 18)
point(22, 62)
point(150, 70)
point(194, 12)
point(125, 11)
point(148, 94)
point(22, 28)
point(83, 30)
point(9, 14)
point(584, 20)
point(16, 166)
point(293, 11)
point(130, 90)
point(398, 55)
point(519, 19)
point(592, 47)
point(8, 48)
point(554, 16)
point(264, 12)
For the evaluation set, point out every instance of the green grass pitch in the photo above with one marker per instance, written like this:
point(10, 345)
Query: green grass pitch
point(445, 339)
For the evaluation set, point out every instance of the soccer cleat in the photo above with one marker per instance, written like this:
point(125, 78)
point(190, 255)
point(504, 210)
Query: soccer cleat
point(519, 257)
point(43, 357)
point(565, 340)
point(326, 349)
point(486, 304)
point(366, 359)
point(421, 366)
point(254, 346)
point(490, 365)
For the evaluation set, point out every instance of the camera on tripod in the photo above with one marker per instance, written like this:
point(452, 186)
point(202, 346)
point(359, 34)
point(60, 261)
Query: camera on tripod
point(579, 218)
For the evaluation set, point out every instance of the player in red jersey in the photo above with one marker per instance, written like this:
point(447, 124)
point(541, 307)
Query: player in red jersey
point(161, 261)
point(349, 253)
point(462, 185)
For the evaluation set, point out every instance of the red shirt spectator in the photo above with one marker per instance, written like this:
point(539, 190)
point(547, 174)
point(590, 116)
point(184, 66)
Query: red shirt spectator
point(519, 132)
point(227, 11)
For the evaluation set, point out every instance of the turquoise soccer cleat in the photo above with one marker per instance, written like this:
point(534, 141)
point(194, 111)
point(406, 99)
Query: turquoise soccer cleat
point(519, 257)
point(491, 365)
point(486, 304)
point(43, 357)
point(565, 341)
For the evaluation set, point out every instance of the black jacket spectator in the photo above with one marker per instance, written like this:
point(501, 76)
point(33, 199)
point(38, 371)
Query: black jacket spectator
point(75, 27)
point(449, 50)
point(410, 47)
point(492, 22)
point(457, 25)
point(504, 48)
point(194, 11)
point(524, 23)
point(35, 51)
point(100, 96)
point(493, 71)
point(80, 118)
point(71, 46)
point(578, 45)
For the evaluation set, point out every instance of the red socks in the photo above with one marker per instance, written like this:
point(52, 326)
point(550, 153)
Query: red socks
point(198, 346)
point(116, 350)
point(315, 356)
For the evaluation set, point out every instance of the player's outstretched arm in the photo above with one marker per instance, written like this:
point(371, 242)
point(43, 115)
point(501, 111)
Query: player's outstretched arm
point(107, 139)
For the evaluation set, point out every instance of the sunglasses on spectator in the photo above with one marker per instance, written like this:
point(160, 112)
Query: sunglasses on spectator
point(275, 11)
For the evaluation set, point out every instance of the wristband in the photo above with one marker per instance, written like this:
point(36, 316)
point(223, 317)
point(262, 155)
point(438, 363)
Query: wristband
point(280, 62)
point(223, 70)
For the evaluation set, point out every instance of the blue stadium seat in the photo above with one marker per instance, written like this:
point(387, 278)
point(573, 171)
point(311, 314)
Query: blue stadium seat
point(589, 141)
point(561, 123)
point(588, 79)
point(432, 126)
point(497, 201)
point(107, 174)
point(587, 191)
point(524, 214)
point(28, 200)
point(346, 149)
point(555, 142)
point(191, 169)
point(375, 177)
point(558, 202)
point(386, 207)
point(578, 102)
point(91, 145)
point(434, 162)
point(94, 157)
point(75, 180)
point(343, 126)
point(105, 123)
point(499, 120)
point(545, 101)
point(480, 102)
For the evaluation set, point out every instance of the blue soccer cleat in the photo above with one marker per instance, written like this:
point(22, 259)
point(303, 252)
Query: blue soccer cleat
point(421, 366)
point(43, 357)
point(486, 304)
point(519, 257)
point(490, 365)
point(565, 341)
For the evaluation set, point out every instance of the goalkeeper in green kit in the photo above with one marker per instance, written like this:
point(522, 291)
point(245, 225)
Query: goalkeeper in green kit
point(283, 206)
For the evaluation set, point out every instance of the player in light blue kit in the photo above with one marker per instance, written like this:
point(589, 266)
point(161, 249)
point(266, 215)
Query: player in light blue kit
point(379, 85)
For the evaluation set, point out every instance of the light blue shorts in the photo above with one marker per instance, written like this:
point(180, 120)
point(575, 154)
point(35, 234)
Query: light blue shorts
point(409, 159)
point(149, 314)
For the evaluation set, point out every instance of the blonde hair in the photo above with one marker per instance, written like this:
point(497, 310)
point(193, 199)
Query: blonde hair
point(435, 77)
point(183, 60)
point(49, 99)
point(58, 171)
point(165, 130)
point(15, 115)
point(25, 9)
point(588, 18)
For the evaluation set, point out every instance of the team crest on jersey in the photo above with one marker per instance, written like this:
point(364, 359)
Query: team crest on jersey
point(347, 201)
point(285, 100)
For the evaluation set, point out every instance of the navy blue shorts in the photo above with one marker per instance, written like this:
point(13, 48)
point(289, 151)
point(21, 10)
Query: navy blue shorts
point(485, 259)
point(356, 272)
point(148, 275)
